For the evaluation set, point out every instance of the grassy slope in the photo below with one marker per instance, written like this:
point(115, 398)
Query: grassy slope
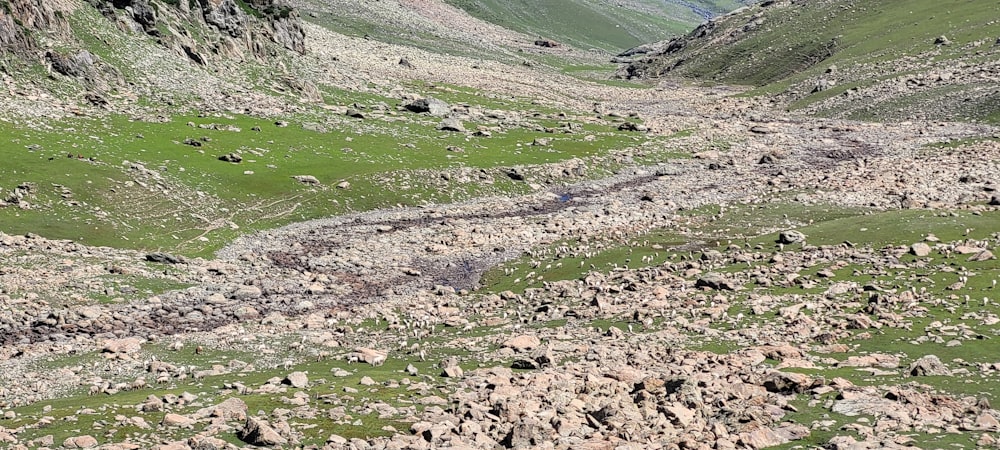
point(791, 47)
point(593, 24)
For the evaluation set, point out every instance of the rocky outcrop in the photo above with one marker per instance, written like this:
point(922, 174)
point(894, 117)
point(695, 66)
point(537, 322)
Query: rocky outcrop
point(18, 17)
point(227, 29)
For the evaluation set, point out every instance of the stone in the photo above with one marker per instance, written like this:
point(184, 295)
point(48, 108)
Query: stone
point(298, 380)
point(516, 175)
point(258, 432)
point(230, 409)
point(306, 179)
point(231, 158)
point(524, 364)
point(523, 342)
point(164, 258)
point(632, 126)
point(337, 441)
point(716, 282)
point(429, 105)
point(451, 124)
point(247, 293)
point(987, 422)
point(920, 249)
point(176, 420)
point(928, 365)
point(368, 355)
point(207, 443)
point(787, 382)
point(791, 237)
point(681, 415)
point(761, 438)
point(85, 441)
point(123, 346)
point(984, 255)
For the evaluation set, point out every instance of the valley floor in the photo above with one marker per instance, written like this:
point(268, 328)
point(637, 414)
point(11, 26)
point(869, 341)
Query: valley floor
point(747, 279)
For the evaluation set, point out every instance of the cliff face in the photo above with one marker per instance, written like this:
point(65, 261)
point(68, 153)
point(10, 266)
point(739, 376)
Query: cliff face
point(232, 29)
point(20, 19)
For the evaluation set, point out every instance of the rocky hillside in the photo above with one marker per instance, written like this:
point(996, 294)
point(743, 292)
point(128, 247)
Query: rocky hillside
point(866, 60)
point(200, 30)
point(106, 54)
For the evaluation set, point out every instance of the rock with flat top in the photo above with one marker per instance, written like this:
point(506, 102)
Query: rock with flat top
point(523, 342)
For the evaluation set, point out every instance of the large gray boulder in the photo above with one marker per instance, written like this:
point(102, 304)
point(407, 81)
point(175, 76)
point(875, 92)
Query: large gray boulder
point(429, 105)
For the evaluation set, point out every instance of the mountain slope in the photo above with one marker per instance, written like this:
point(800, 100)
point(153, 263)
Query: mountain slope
point(603, 25)
point(856, 59)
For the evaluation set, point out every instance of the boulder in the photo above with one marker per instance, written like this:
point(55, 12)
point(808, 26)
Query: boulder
point(306, 179)
point(85, 441)
point(523, 342)
point(928, 365)
point(258, 432)
point(231, 409)
point(247, 293)
point(368, 355)
point(429, 105)
point(177, 420)
point(231, 158)
point(451, 124)
point(717, 282)
point(787, 382)
point(984, 255)
point(680, 414)
point(920, 249)
point(164, 258)
point(297, 380)
point(791, 237)
point(122, 346)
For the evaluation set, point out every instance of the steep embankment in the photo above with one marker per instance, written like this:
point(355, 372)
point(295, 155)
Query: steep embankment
point(854, 59)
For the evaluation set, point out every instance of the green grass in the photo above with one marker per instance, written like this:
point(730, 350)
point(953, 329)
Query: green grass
point(898, 228)
point(192, 203)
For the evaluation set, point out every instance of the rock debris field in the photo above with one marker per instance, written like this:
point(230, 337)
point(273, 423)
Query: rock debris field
point(786, 280)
